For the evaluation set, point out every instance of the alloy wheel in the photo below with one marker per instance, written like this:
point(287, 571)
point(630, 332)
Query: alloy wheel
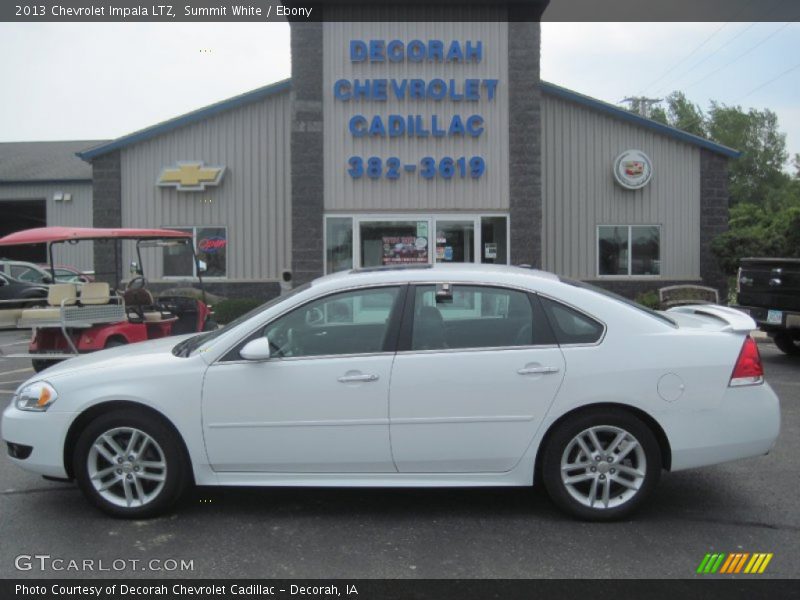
point(603, 467)
point(127, 467)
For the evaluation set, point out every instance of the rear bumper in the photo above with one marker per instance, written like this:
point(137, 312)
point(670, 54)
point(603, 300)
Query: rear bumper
point(744, 424)
point(789, 319)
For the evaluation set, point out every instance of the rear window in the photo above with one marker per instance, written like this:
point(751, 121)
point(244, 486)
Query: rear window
point(587, 286)
point(571, 326)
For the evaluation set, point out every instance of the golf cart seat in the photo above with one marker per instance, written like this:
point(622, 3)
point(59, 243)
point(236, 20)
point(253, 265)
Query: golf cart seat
point(98, 292)
point(59, 294)
point(141, 307)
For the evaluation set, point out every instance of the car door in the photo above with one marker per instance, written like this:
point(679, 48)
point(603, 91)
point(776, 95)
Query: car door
point(320, 402)
point(476, 371)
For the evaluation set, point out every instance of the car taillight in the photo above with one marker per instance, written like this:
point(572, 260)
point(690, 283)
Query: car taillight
point(748, 369)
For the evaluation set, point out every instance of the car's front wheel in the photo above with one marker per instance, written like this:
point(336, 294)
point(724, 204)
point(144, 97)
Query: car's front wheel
point(601, 465)
point(130, 464)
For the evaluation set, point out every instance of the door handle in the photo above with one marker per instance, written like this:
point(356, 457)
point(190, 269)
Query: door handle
point(357, 378)
point(537, 370)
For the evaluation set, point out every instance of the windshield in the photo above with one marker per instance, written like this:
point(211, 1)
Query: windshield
point(653, 313)
point(189, 345)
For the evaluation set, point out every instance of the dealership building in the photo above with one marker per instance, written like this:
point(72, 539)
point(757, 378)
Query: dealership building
point(414, 142)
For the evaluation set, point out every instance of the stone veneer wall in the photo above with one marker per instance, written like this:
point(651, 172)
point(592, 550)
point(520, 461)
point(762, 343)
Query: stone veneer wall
point(307, 152)
point(107, 212)
point(714, 202)
point(525, 144)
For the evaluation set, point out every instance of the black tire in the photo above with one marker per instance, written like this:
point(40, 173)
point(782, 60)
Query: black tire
point(787, 344)
point(561, 444)
point(40, 365)
point(115, 342)
point(177, 473)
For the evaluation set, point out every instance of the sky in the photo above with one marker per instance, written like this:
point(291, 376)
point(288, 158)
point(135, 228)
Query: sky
point(102, 80)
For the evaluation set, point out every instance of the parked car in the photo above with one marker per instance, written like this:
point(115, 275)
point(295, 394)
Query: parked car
point(769, 291)
point(68, 274)
point(453, 375)
point(19, 294)
point(25, 271)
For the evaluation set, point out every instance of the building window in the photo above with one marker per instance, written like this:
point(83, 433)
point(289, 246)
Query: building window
point(211, 246)
point(373, 241)
point(338, 244)
point(629, 250)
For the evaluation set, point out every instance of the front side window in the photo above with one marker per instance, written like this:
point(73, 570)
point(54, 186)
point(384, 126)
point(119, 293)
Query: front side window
point(211, 246)
point(629, 250)
point(474, 317)
point(355, 322)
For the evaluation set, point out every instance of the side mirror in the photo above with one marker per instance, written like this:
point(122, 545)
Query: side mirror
point(47, 279)
point(2, 282)
point(257, 349)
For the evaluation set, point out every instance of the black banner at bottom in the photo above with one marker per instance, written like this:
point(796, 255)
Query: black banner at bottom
point(384, 589)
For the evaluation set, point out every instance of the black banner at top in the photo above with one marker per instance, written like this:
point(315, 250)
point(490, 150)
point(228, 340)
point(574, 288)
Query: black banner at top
point(397, 10)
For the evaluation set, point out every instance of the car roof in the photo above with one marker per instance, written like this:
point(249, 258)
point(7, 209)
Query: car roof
point(484, 273)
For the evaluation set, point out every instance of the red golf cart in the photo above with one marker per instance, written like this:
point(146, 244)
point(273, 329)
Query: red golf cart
point(93, 316)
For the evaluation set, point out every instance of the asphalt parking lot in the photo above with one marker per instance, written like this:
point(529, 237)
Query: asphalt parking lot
point(747, 506)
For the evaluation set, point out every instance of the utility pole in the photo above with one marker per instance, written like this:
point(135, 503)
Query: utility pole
point(641, 105)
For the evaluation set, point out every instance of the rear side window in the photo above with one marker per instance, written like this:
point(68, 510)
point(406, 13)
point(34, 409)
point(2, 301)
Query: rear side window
point(476, 317)
point(571, 326)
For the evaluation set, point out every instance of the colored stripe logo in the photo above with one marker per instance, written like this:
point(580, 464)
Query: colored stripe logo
point(734, 563)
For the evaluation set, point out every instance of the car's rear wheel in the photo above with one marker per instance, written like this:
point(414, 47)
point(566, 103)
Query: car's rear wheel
point(601, 465)
point(129, 464)
point(787, 344)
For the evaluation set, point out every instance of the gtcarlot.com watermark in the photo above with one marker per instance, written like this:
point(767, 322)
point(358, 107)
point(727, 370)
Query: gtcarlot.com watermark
point(48, 563)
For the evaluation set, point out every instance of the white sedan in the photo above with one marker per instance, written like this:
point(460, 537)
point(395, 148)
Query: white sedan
point(439, 376)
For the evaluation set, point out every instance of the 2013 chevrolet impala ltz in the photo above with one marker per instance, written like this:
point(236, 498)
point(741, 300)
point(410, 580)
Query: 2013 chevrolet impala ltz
point(429, 376)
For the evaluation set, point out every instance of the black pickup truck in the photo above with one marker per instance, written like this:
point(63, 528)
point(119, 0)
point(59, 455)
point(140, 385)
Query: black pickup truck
point(769, 289)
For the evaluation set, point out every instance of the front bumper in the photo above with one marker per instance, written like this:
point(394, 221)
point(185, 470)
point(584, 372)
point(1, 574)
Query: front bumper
point(744, 424)
point(45, 432)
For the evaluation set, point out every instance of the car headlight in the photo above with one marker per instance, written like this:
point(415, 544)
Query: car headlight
point(36, 396)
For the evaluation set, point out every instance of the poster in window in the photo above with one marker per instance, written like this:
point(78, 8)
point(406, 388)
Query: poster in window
point(398, 250)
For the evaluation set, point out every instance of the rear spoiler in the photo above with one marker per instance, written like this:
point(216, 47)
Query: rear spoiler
point(735, 320)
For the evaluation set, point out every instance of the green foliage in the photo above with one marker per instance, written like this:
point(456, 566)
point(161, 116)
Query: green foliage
point(685, 115)
point(760, 167)
point(771, 228)
point(648, 299)
point(228, 310)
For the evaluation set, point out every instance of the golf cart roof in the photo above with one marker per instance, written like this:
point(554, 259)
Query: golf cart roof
point(47, 235)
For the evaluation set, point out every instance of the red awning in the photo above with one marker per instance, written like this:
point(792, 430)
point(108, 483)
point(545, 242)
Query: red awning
point(46, 235)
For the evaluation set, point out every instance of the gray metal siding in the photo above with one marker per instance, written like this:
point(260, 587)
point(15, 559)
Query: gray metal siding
point(77, 213)
point(253, 200)
point(411, 191)
point(578, 149)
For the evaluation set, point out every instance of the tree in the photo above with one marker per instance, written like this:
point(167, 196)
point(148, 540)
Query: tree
point(755, 133)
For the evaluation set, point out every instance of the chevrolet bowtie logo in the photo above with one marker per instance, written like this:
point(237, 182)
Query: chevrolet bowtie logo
point(190, 176)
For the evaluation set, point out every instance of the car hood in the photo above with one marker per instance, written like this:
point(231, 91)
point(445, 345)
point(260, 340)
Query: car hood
point(137, 356)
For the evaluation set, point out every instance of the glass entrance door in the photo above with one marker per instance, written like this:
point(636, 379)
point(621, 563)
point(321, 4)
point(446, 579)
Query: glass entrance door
point(455, 241)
